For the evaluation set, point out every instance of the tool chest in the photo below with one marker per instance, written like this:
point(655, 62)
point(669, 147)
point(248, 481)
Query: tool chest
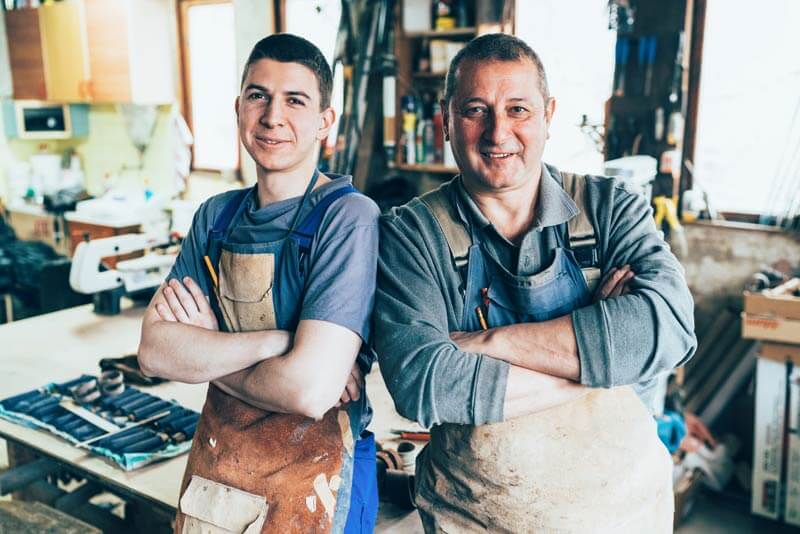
point(128, 426)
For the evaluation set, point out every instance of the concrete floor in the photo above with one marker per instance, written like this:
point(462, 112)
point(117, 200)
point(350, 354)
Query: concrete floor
point(715, 515)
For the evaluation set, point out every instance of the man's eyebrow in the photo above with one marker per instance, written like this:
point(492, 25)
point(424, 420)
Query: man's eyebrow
point(298, 93)
point(472, 100)
point(256, 87)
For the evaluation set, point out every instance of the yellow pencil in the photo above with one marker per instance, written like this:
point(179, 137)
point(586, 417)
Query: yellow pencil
point(481, 318)
point(211, 271)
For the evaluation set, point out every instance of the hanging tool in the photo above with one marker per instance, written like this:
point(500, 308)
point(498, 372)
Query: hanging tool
point(677, 73)
point(622, 53)
point(647, 58)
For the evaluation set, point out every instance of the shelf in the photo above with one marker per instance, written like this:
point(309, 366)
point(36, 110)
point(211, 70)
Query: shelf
point(429, 75)
point(427, 167)
point(435, 34)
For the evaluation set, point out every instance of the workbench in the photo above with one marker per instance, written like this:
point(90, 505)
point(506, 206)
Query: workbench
point(63, 345)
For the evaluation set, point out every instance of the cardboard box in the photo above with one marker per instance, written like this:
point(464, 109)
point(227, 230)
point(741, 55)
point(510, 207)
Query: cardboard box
point(792, 506)
point(771, 377)
point(770, 328)
point(777, 302)
point(780, 352)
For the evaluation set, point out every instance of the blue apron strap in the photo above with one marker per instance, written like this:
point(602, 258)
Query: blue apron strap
point(304, 233)
point(214, 237)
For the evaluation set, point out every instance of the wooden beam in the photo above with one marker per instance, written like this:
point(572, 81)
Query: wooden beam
point(696, 9)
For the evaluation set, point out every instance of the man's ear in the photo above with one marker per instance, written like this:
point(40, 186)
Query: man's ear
point(445, 119)
point(328, 117)
point(236, 108)
point(549, 110)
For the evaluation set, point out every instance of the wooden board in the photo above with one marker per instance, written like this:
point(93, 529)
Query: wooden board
point(25, 54)
point(64, 51)
point(62, 345)
point(107, 37)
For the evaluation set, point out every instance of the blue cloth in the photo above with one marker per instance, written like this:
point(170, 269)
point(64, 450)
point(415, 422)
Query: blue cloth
point(364, 497)
point(671, 430)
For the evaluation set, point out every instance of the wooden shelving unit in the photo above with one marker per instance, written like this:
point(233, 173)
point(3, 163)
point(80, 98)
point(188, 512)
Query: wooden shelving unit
point(443, 34)
point(433, 168)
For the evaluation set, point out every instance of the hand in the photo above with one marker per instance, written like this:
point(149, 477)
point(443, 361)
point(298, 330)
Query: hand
point(614, 284)
point(185, 303)
point(697, 434)
point(468, 341)
point(355, 383)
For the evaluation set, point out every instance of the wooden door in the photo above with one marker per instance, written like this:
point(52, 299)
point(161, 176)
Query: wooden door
point(65, 55)
point(107, 36)
point(25, 54)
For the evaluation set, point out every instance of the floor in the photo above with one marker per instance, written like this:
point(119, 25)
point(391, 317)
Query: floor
point(710, 515)
point(714, 515)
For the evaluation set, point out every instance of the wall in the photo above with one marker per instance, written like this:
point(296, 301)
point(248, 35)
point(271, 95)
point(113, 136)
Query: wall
point(721, 260)
point(107, 152)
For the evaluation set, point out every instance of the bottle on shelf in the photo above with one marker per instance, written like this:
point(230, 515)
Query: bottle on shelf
point(444, 14)
point(423, 59)
point(408, 140)
point(462, 14)
point(438, 131)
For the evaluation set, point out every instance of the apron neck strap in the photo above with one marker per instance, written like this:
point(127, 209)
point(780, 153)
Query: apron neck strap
point(306, 196)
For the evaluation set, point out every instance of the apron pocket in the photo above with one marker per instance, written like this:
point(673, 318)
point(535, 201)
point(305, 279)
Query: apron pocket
point(212, 508)
point(245, 289)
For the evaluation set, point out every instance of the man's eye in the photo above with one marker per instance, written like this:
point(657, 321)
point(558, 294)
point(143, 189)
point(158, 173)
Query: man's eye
point(255, 96)
point(296, 102)
point(518, 110)
point(475, 111)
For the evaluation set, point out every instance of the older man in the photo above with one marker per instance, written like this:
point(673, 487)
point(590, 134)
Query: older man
point(488, 330)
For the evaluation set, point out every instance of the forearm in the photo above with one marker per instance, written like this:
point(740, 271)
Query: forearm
point(633, 338)
point(307, 380)
point(529, 392)
point(242, 385)
point(190, 354)
point(548, 347)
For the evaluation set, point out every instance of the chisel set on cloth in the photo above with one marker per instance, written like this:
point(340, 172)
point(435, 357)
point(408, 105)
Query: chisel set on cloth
point(105, 416)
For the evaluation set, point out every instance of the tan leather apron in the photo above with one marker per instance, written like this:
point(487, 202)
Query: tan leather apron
point(250, 470)
point(592, 465)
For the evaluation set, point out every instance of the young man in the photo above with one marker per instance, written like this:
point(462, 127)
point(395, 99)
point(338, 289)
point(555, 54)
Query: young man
point(270, 301)
point(489, 330)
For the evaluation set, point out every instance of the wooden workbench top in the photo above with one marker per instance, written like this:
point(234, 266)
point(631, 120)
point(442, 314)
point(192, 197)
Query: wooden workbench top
point(62, 345)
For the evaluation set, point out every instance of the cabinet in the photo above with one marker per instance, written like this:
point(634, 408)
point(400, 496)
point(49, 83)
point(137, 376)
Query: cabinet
point(25, 54)
point(65, 65)
point(93, 51)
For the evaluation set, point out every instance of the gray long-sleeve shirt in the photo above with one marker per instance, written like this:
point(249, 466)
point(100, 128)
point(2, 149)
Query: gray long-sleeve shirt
point(625, 340)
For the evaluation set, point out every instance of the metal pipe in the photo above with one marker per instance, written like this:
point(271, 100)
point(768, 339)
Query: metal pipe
point(20, 476)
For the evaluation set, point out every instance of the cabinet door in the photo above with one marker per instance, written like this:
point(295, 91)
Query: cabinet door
point(107, 36)
point(25, 54)
point(64, 45)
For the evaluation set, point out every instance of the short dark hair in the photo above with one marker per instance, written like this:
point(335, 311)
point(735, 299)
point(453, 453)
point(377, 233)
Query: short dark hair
point(494, 47)
point(289, 48)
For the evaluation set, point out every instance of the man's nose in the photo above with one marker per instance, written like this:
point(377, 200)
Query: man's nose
point(273, 115)
point(498, 128)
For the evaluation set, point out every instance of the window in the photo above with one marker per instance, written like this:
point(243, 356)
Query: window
point(577, 49)
point(747, 153)
point(211, 82)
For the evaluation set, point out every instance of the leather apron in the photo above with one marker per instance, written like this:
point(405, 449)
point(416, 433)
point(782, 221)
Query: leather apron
point(592, 465)
point(298, 468)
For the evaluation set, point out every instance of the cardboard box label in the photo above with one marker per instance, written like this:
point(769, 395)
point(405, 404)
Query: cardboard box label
point(770, 328)
point(769, 436)
point(792, 506)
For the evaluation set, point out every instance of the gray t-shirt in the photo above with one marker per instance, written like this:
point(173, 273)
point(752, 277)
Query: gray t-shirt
point(340, 282)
